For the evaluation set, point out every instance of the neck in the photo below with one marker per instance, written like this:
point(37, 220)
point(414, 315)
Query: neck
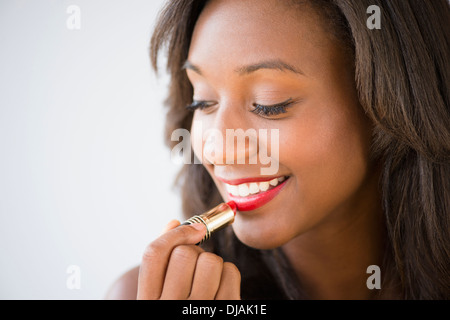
point(331, 260)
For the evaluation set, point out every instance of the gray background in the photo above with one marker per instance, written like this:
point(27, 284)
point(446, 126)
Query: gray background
point(85, 178)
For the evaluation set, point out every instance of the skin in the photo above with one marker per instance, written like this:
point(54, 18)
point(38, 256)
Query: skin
point(327, 219)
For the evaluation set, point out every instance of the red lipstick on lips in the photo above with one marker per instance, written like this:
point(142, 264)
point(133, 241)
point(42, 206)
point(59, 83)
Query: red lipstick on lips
point(254, 201)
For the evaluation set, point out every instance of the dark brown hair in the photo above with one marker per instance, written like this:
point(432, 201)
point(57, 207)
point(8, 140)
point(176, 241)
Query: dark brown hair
point(402, 77)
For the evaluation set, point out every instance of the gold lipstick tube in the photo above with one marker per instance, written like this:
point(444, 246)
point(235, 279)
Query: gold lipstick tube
point(215, 219)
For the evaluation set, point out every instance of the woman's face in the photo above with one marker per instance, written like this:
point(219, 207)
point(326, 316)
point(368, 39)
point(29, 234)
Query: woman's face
point(245, 54)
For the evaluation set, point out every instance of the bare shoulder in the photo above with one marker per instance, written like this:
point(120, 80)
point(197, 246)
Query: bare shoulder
point(125, 287)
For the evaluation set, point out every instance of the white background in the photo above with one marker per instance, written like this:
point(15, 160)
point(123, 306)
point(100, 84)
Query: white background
point(85, 178)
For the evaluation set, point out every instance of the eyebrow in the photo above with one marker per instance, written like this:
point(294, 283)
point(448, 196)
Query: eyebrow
point(268, 64)
point(190, 66)
point(247, 69)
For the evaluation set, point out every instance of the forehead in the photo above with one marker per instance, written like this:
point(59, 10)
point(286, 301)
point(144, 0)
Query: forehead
point(230, 33)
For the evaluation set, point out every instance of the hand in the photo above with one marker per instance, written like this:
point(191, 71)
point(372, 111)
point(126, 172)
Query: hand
point(173, 267)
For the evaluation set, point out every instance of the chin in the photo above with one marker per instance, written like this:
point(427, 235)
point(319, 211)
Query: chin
point(259, 237)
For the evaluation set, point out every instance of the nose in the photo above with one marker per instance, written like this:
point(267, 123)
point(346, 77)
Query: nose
point(230, 140)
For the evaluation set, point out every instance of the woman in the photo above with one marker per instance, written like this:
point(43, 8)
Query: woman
point(364, 150)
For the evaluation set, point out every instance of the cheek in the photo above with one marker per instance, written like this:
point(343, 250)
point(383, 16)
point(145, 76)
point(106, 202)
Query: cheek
point(328, 154)
point(197, 129)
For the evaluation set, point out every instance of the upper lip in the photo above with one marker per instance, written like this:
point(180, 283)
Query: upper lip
point(248, 180)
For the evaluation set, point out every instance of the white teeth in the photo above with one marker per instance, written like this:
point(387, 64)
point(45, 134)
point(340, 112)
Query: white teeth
point(243, 190)
point(273, 182)
point(253, 188)
point(264, 186)
point(232, 189)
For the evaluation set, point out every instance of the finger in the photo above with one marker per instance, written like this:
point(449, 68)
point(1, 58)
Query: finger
point(207, 276)
point(180, 272)
point(230, 283)
point(156, 256)
point(171, 225)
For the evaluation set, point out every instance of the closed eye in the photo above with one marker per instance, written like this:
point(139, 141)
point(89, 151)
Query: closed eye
point(200, 105)
point(263, 110)
point(272, 110)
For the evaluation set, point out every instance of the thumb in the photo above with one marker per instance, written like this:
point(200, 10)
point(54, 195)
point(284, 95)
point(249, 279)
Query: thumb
point(171, 225)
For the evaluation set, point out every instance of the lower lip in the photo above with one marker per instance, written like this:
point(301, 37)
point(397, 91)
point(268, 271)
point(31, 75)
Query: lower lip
point(258, 200)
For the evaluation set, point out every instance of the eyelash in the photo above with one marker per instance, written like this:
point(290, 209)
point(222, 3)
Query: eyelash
point(272, 110)
point(259, 109)
point(199, 105)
